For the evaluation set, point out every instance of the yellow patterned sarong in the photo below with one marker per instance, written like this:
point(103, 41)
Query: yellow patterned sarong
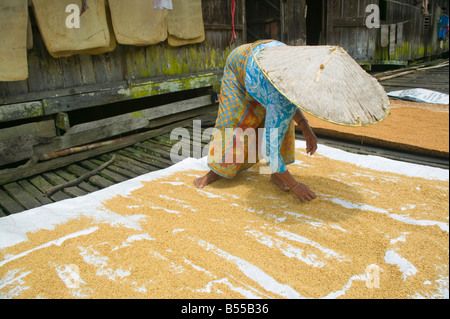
point(239, 110)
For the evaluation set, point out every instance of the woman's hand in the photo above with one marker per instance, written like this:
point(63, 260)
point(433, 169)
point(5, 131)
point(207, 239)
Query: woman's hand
point(303, 192)
point(310, 137)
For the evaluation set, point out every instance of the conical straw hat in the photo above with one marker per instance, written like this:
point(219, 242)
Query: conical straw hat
point(327, 82)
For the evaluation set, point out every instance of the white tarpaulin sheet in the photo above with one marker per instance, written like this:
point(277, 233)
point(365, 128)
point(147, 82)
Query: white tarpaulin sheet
point(379, 229)
point(421, 95)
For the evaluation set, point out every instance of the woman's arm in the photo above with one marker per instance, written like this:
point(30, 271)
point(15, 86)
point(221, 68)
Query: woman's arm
point(299, 117)
point(310, 137)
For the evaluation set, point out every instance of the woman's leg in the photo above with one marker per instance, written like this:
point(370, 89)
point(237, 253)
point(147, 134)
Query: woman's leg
point(279, 115)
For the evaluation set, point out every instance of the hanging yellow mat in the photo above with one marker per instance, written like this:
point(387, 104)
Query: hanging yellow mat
point(185, 23)
point(135, 22)
point(93, 36)
point(13, 44)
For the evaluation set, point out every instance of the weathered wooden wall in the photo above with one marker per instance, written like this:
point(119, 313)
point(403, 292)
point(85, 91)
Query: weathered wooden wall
point(120, 85)
point(129, 72)
point(410, 33)
point(276, 19)
point(405, 33)
point(346, 27)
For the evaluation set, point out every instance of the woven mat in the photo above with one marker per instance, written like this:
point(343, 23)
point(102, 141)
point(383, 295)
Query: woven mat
point(93, 37)
point(13, 44)
point(137, 23)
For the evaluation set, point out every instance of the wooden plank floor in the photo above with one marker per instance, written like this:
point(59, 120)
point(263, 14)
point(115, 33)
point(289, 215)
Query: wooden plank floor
point(431, 79)
point(139, 159)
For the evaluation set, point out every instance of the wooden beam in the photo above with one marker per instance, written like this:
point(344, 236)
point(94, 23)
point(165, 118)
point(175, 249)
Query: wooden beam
point(97, 130)
point(11, 175)
point(20, 148)
point(16, 143)
point(70, 99)
point(348, 22)
point(17, 111)
point(135, 90)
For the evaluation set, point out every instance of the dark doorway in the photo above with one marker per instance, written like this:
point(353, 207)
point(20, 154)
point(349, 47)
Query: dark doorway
point(314, 22)
point(263, 19)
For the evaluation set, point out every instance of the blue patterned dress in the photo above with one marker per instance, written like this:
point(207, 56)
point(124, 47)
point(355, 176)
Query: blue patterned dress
point(250, 102)
point(279, 110)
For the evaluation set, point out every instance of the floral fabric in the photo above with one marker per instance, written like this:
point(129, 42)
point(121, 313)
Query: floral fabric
point(249, 109)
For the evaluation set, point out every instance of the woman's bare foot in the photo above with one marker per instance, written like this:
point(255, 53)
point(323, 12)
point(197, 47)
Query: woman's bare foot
point(277, 180)
point(206, 179)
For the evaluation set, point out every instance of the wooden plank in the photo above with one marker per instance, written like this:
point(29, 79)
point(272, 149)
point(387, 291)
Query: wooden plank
point(165, 138)
point(174, 84)
point(67, 103)
point(48, 93)
point(116, 92)
point(132, 168)
point(349, 22)
point(116, 169)
point(58, 180)
point(153, 144)
point(71, 71)
point(183, 115)
point(384, 35)
point(40, 183)
point(69, 177)
point(97, 180)
point(18, 87)
point(19, 148)
point(19, 111)
point(87, 69)
point(116, 65)
point(123, 156)
point(106, 173)
point(21, 196)
point(100, 181)
point(16, 143)
point(62, 121)
point(9, 204)
point(2, 213)
point(147, 114)
point(93, 131)
point(11, 175)
point(41, 129)
point(392, 34)
point(154, 149)
point(43, 199)
point(153, 158)
point(141, 157)
point(38, 71)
